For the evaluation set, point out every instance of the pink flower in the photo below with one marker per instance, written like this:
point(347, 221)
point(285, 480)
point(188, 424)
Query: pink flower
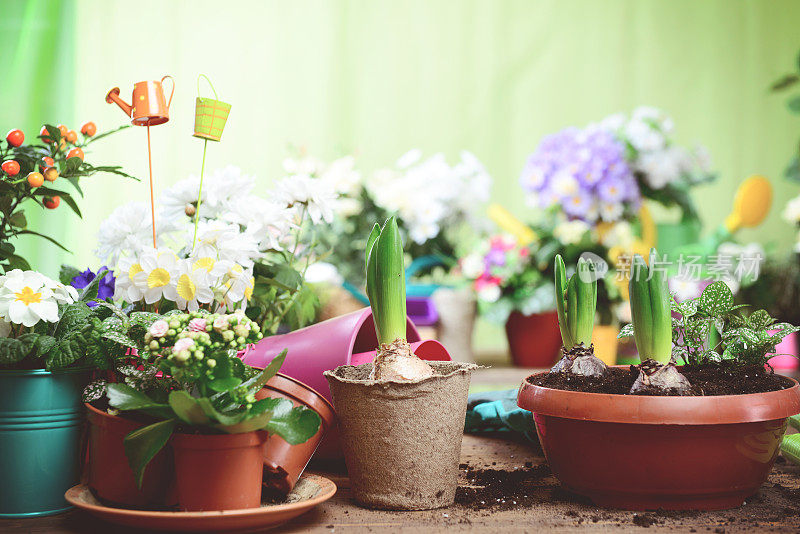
point(185, 343)
point(159, 328)
point(197, 325)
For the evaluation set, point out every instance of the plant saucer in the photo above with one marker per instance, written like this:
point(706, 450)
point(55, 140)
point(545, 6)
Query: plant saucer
point(310, 491)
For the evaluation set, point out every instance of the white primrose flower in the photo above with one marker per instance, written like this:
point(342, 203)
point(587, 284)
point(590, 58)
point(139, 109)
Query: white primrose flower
point(124, 286)
point(156, 280)
point(192, 286)
point(26, 299)
point(238, 287)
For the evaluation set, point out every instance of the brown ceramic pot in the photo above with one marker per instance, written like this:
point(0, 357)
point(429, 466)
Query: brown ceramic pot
point(677, 453)
point(284, 463)
point(109, 474)
point(220, 471)
point(533, 340)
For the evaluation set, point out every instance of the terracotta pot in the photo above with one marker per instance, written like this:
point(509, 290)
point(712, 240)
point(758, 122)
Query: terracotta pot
point(402, 440)
point(109, 474)
point(284, 463)
point(604, 339)
point(534, 340)
point(676, 453)
point(219, 472)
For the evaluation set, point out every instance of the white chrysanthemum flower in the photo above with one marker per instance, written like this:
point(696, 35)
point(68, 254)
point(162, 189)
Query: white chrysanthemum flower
point(192, 286)
point(791, 213)
point(661, 167)
point(220, 188)
point(127, 231)
point(224, 241)
point(571, 232)
point(318, 196)
point(238, 286)
point(304, 165)
point(342, 176)
point(156, 280)
point(265, 221)
point(26, 299)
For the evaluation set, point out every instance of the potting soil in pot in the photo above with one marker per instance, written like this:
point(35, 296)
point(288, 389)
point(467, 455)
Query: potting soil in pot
point(402, 440)
point(710, 379)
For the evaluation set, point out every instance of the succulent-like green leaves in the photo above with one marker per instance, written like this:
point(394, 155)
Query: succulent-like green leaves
point(386, 281)
point(650, 309)
point(576, 301)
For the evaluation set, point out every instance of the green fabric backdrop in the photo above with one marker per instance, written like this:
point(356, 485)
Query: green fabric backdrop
point(379, 77)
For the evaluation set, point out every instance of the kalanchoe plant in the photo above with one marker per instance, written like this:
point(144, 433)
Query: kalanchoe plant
point(745, 340)
point(576, 302)
point(652, 328)
point(210, 389)
point(386, 289)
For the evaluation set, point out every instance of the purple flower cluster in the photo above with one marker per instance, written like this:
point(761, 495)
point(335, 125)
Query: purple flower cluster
point(105, 289)
point(584, 171)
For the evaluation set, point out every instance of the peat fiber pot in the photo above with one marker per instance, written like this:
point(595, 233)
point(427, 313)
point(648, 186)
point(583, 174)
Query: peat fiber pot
point(218, 472)
point(533, 340)
point(41, 420)
point(676, 453)
point(108, 472)
point(284, 463)
point(402, 440)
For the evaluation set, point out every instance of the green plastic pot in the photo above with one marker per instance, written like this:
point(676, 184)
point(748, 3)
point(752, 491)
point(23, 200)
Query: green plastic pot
point(41, 420)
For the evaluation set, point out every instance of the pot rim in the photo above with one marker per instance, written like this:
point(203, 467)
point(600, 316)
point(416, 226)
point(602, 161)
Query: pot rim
point(306, 395)
point(653, 410)
point(43, 372)
point(463, 367)
point(242, 440)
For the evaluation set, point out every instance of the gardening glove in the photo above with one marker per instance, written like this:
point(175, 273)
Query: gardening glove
point(493, 411)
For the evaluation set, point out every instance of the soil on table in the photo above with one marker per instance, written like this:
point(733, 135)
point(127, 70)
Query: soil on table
point(707, 379)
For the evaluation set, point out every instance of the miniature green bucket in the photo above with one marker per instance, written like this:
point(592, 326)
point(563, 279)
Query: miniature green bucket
point(41, 421)
point(210, 115)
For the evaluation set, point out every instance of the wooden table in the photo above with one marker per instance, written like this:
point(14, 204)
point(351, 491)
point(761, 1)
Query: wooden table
point(775, 508)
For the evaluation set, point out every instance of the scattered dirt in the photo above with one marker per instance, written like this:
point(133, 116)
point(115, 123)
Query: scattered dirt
point(501, 489)
point(711, 379)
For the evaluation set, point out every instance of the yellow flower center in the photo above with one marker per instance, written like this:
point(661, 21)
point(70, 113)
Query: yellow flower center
point(28, 297)
point(248, 293)
point(186, 288)
point(237, 269)
point(134, 270)
point(204, 263)
point(158, 278)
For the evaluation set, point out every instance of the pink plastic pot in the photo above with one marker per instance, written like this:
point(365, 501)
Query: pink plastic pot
point(345, 340)
point(786, 350)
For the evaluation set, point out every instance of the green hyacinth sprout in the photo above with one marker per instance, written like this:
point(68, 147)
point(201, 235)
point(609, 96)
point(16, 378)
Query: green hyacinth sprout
point(576, 301)
point(650, 309)
point(386, 281)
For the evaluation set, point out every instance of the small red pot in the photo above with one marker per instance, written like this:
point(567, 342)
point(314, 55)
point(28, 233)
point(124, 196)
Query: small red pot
point(284, 463)
point(676, 453)
point(109, 474)
point(534, 340)
point(219, 472)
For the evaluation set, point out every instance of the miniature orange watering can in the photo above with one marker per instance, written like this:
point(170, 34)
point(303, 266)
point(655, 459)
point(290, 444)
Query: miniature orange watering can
point(149, 107)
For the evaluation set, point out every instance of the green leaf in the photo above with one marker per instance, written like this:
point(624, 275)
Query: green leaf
point(123, 397)
point(625, 331)
point(74, 317)
point(11, 351)
point(53, 133)
point(43, 236)
point(224, 384)
point(18, 219)
point(73, 164)
point(561, 304)
point(187, 408)
point(94, 390)
point(255, 384)
point(760, 319)
point(143, 444)
point(288, 276)
point(67, 273)
point(716, 299)
point(794, 104)
point(297, 425)
point(386, 284)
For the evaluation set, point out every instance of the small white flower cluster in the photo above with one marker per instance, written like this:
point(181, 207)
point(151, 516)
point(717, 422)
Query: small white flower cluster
point(791, 214)
point(428, 194)
point(27, 297)
point(648, 132)
point(156, 274)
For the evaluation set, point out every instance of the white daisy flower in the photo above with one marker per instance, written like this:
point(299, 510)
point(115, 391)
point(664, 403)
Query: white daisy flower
point(25, 298)
point(193, 286)
point(238, 286)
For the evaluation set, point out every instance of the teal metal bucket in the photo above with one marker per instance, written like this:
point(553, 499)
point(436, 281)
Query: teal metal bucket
point(41, 421)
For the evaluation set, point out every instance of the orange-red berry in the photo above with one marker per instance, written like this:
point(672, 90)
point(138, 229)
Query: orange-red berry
point(15, 137)
point(89, 129)
point(45, 135)
point(52, 203)
point(10, 167)
point(50, 174)
point(71, 136)
point(35, 179)
point(75, 153)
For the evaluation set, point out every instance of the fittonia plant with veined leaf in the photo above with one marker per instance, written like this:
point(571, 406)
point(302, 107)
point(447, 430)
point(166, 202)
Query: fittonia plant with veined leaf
point(576, 302)
point(386, 289)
